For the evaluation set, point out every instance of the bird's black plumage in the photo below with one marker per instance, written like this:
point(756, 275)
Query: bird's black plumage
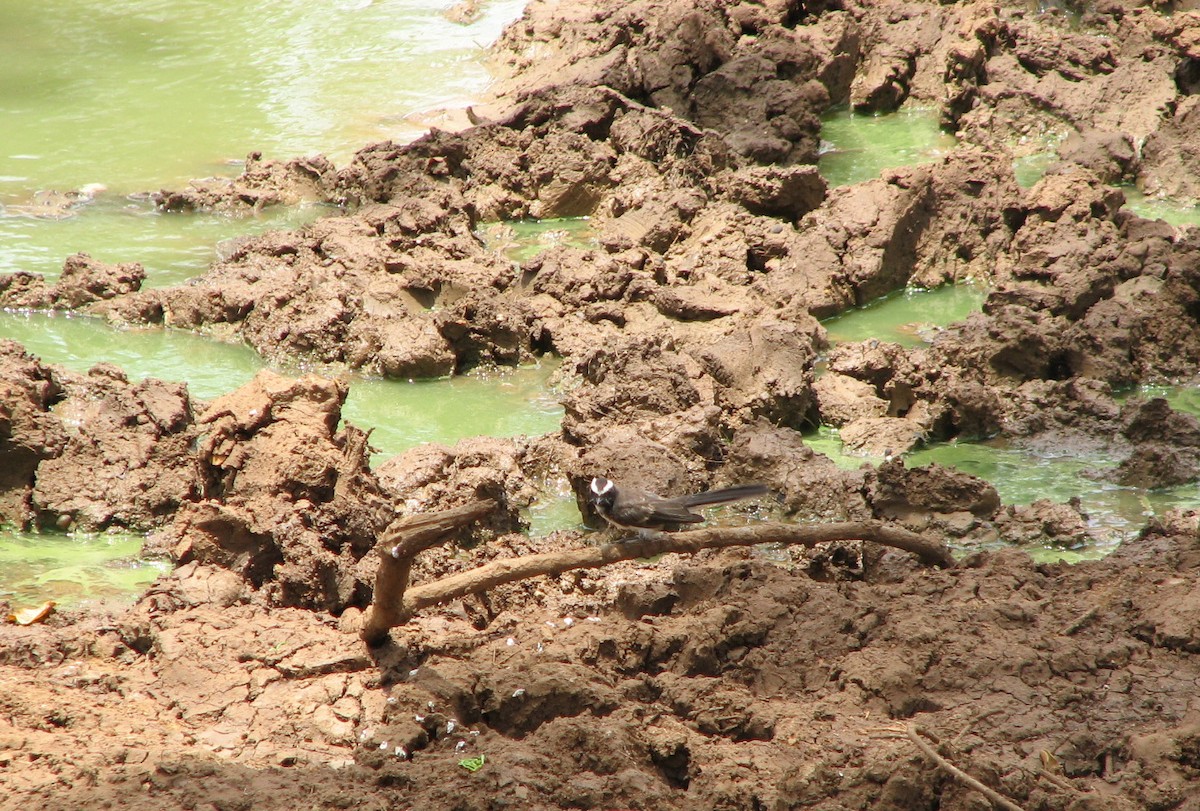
point(641, 510)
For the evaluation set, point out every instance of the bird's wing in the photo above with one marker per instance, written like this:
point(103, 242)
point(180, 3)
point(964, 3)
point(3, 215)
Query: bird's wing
point(653, 509)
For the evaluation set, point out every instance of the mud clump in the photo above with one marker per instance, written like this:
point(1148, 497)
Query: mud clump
point(83, 281)
point(287, 499)
point(691, 346)
point(261, 183)
point(435, 477)
point(127, 460)
point(95, 451)
point(29, 433)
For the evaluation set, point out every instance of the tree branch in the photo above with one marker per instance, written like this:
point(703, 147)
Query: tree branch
point(402, 542)
point(997, 799)
point(509, 570)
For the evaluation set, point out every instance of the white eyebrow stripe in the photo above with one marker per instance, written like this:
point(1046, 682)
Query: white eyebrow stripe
point(601, 489)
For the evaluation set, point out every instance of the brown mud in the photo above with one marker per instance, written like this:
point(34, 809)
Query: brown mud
point(765, 679)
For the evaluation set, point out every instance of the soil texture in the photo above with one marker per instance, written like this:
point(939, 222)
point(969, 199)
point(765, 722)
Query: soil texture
point(692, 356)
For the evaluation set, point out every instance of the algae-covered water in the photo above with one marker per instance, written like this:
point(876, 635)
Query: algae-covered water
point(74, 568)
point(859, 147)
point(400, 414)
point(132, 96)
point(856, 147)
point(102, 103)
point(138, 93)
point(909, 317)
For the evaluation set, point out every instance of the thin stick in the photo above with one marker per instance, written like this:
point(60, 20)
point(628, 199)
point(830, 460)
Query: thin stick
point(998, 800)
point(1082, 620)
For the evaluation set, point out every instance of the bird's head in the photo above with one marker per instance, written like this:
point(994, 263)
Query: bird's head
point(603, 492)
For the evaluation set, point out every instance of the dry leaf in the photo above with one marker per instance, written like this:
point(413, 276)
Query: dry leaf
point(28, 616)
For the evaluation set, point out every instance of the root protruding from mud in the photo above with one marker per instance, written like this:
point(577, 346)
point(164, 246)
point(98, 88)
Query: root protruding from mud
point(394, 603)
point(914, 734)
point(399, 545)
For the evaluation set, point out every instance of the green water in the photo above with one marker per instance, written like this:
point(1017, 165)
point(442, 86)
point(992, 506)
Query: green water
point(137, 95)
point(522, 240)
point(1156, 208)
point(79, 342)
point(1020, 475)
point(171, 247)
point(1181, 398)
point(73, 569)
point(499, 402)
point(132, 96)
point(857, 147)
point(910, 317)
point(555, 508)
point(1029, 169)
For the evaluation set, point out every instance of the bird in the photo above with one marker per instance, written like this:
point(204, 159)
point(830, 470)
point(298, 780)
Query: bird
point(647, 513)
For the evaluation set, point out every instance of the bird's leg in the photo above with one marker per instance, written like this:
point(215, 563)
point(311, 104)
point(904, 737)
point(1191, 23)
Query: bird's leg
point(645, 534)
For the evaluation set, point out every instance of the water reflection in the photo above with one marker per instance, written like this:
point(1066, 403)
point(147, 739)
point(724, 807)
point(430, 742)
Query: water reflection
point(157, 92)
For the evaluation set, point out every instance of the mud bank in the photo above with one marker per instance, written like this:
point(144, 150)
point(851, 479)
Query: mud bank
point(690, 336)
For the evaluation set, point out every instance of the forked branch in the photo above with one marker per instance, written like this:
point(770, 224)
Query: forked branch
point(395, 603)
point(402, 542)
point(915, 734)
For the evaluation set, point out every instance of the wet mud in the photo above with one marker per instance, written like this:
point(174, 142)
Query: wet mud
point(691, 347)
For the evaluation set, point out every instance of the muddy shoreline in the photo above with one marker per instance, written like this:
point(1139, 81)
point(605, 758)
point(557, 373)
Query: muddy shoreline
point(689, 335)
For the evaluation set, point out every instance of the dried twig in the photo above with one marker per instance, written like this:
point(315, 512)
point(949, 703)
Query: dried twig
point(395, 603)
point(997, 799)
point(1062, 782)
point(1082, 620)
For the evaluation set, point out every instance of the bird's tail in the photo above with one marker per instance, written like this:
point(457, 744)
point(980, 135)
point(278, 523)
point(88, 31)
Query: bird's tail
point(726, 495)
